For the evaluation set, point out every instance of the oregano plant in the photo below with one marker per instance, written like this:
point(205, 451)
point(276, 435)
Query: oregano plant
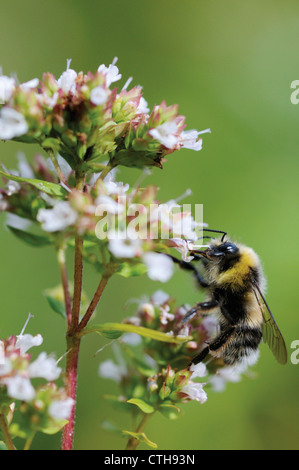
point(69, 197)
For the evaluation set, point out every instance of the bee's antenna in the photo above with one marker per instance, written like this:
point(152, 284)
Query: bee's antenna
point(215, 231)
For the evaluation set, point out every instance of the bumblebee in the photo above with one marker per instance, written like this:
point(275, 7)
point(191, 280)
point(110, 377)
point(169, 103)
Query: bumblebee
point(235, 285)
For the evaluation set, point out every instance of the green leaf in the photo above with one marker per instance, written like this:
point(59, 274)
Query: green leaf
point(142, 405)
point(118, 403)
point(115, 330)
point(51, 144)
point(55, 304)
point(3, 446)
point(54, 428)
point(169, 410)
point(131, 270)
point(141, 437)
point(30, 238)
point(52, 189)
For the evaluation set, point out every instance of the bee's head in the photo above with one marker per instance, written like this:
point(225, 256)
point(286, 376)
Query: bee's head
point(224, 254)
point(226, 250)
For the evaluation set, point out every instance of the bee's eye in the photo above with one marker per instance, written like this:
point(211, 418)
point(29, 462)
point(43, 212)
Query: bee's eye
point(229, 249)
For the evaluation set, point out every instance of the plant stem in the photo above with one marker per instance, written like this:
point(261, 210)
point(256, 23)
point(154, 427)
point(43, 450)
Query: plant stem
point(73, 345)
point(73, 338)
point(93, 303)
point(64, 280)
point(105, 171)
point(57, 167)
point(78, 269)
point(5, 433)
point(132, 442)
point(29, 441)
point(73, 342)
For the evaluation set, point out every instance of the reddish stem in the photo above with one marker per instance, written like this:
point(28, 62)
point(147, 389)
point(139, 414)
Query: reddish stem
point(77, 283)
point(64, 280)
point(73, 345)
point(93, 303)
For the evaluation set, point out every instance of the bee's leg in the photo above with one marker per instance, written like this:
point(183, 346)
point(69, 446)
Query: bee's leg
point(203, 308)
point(190, 267)
point(217, 343)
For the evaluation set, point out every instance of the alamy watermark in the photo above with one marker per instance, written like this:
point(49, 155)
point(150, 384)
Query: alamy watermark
point(120, 220)
point(295, 354)
point(295, 94)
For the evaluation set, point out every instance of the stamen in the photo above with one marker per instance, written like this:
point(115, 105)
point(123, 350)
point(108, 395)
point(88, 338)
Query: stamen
point(205, 131)
point(63, 355)
point(127, 83)
point(103, 347)
point(187, 193)
point(26, 323)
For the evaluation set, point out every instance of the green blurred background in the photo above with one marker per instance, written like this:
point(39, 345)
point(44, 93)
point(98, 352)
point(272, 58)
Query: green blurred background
point(229, 66)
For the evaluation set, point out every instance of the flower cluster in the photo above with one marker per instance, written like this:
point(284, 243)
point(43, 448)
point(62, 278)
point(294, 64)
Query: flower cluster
point(87, 120)
point(44, 406)
point(71, 199)
point(157, 376)
point(129, 225)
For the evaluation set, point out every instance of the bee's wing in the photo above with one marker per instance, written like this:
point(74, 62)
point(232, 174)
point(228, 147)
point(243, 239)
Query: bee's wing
point(271, 333)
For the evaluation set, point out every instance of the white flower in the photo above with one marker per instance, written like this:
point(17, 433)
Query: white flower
point(3, 203)
point(33, 83)
point(61, 409)
point(5, 367)
point(232, 373)
point(60, 217)
point(189, 139)
point(14, 220)
point(111, 73)
point(165, 316)
point(7, 86)
point(184, 247)
point(107, 204)
point(184, 226)
point(185, 332)
point(195, 391)
point(12, 187)
point(198, 370)
point(133, 339)
point(123, 247)
point(163, 215)
point(109, 370)
point(20, 387)
point(166, 134)
point(113, 187)
point(98, 95)
point(143, 106)
point(25, 342)
point(159, 266)
point(67, 80)
point(48, 101)
point(159, 297)
point(12, 124)
point(44, 366)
